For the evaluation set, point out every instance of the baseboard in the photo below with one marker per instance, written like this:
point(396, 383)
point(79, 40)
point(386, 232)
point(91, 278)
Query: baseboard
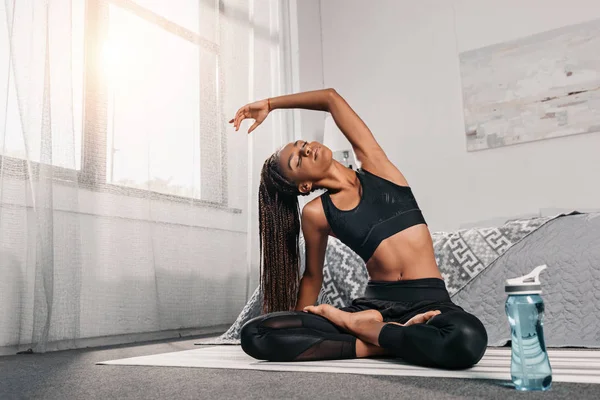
point(130, 338)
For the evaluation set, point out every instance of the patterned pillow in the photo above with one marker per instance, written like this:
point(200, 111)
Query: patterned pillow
point(344, 274)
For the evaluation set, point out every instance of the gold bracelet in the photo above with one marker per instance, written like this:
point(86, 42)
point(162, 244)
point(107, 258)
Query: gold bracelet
point(269, 104)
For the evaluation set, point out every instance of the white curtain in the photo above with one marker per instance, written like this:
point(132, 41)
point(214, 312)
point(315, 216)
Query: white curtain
point(126, 203)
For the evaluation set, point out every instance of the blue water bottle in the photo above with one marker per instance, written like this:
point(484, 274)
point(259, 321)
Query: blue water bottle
point(529, 366)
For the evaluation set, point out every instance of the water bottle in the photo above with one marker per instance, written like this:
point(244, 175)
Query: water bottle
point(529, 366)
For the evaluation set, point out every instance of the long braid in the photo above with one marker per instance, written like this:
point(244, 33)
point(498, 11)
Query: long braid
point(279, 226)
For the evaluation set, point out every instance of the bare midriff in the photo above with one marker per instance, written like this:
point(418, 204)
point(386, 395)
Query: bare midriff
point(404, 256)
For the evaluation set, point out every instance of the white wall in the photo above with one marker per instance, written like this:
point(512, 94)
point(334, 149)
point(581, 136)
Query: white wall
point(396, 62)
point(309, 67)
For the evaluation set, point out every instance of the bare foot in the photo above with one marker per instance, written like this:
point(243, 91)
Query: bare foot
point(335, 315)
point(367, 316)
point(419, 318)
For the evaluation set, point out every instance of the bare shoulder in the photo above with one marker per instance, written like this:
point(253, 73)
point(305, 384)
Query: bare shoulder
point(378, 164)
point(313, 217)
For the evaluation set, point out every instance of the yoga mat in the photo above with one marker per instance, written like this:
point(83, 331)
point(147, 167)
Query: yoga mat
point(582, 366)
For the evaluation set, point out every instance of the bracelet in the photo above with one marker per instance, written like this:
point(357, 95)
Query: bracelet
point(269, 104)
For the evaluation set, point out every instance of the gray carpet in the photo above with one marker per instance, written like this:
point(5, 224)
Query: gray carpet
point(73, 375)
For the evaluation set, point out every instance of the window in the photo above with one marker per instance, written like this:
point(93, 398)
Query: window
point(150, 95)
point(66, 131)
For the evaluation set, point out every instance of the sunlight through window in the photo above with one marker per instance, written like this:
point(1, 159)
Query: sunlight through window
point(153, 133)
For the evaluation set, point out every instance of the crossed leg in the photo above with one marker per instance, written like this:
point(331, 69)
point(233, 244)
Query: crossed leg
point(365, 325)
point(453, 339)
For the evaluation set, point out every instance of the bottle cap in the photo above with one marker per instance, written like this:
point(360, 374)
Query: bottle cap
point(528, 284)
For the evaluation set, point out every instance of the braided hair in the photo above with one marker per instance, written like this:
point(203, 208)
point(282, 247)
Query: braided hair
point(279, 226)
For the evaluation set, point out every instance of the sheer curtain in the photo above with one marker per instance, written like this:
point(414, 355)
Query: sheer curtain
point(127, 206)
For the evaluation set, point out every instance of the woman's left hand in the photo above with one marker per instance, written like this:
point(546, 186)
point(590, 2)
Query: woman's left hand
point(257, 111)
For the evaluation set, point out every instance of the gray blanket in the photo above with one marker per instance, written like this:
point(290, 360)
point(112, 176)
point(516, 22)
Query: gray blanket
point(570, 246)
point(461, 256)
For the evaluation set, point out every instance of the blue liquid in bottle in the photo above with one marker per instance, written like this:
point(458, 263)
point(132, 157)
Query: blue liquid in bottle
point(530, 367)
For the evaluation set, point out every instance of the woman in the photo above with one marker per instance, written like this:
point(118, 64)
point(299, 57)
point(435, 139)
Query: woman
point(406, 311)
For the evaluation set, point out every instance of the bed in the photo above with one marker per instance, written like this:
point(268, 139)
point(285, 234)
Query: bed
point(570, 246)
point(475, 263)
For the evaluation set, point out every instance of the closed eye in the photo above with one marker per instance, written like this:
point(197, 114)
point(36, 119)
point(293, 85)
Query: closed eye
point(300, 158)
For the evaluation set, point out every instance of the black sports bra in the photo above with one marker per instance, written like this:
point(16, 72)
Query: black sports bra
point(385, 209)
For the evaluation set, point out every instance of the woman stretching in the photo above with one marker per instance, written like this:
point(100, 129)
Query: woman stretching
point(406, 310)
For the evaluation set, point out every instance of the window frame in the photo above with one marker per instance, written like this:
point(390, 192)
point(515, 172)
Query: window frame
point(94, 158)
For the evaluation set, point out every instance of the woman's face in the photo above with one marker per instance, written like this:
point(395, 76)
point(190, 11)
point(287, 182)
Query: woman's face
point(305, 163)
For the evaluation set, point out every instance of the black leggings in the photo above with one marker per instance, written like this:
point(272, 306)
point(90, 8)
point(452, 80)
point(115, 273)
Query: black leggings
point(453, 339)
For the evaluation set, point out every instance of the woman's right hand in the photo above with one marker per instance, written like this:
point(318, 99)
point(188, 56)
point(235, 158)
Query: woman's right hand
point(257, 111)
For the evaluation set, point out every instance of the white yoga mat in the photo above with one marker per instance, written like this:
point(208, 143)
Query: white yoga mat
point(567, 365)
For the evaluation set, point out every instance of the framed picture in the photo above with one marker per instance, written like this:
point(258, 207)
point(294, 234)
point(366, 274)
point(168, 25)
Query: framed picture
point(538, 87)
